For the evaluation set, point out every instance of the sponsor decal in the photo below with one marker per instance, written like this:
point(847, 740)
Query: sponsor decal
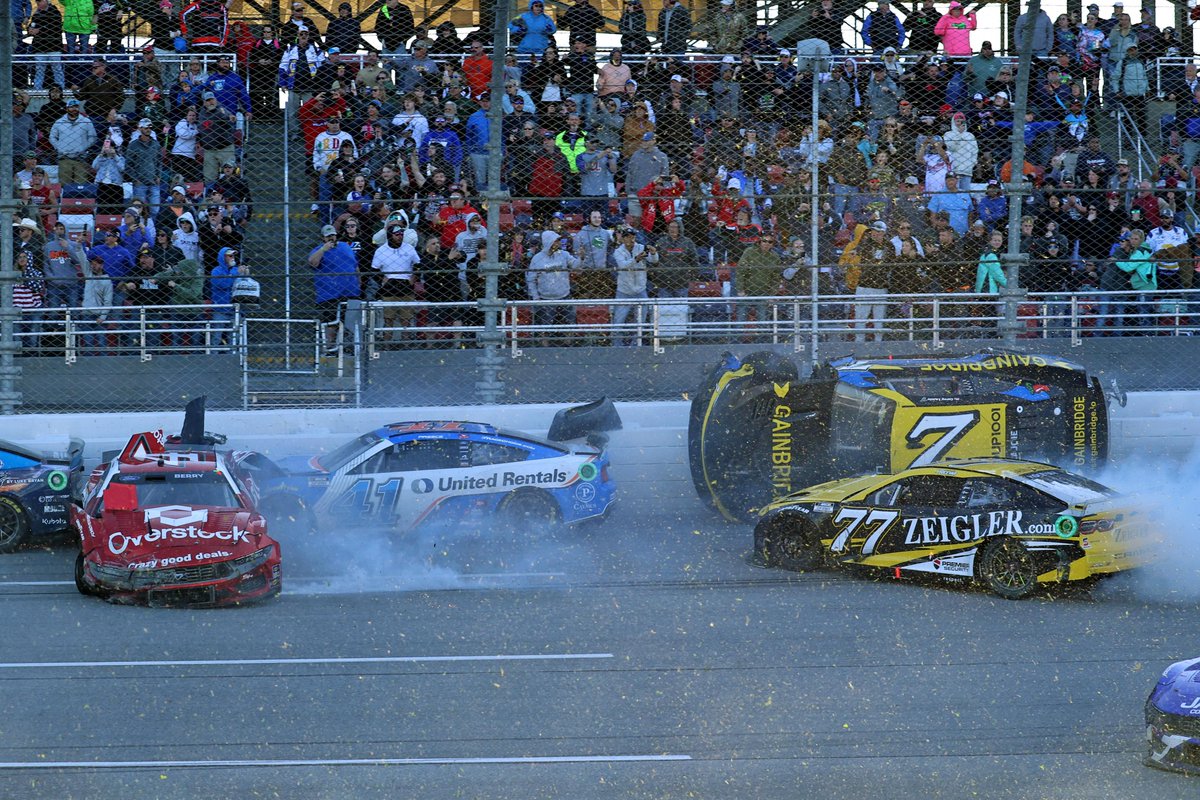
point(585, 492)
point(781, 445)
point(994, 362)
point(57, 480)
point(922, 436)
point(53, 508)
point(823, 507)
point(422, 486)
point(961, 527)
point(588, 471)
point(1192, 706)
point(176, 515)
point(119, 542)
point(1085, 543)
point(318, 481)
point(948, 565)
point(1066, 526)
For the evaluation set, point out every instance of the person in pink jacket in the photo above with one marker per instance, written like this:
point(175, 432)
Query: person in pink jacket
point(954, 29)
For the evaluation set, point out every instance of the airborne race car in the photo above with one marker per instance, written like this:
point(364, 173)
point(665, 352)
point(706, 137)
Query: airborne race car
point(758, 431)
point(1173, 719)
point(171, 524)
point(410, 474)
point(1010, 525)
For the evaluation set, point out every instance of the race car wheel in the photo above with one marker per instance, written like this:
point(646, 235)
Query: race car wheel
point(81, 584)
point(790, 544)
point(14, 525)
point(529, 507)
point(1008, 569)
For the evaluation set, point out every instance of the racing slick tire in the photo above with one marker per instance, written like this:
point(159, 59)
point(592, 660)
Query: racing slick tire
point(526, 507)
point(790, 544)
point(1008, 569)
point(14, 525)
point(81, 584)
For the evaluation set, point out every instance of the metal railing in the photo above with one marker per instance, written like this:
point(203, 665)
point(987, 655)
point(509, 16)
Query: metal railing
point(141, 331)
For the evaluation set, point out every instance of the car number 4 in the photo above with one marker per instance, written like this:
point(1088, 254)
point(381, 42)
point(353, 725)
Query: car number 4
point(874, 522)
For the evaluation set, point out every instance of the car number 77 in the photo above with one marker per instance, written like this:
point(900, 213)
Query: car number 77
point(875, 520)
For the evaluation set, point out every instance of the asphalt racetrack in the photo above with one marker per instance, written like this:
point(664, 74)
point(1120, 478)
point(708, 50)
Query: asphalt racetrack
point(643, 657)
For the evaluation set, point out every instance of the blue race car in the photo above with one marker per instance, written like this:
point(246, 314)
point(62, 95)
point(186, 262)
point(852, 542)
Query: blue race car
point(1173, 719)
point(35, 491)
point(410, 474)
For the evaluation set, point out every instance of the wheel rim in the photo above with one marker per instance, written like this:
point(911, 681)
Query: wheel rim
point(11, 523)
point(1012, 566)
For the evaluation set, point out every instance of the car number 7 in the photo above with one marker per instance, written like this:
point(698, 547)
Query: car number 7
point(875, 520)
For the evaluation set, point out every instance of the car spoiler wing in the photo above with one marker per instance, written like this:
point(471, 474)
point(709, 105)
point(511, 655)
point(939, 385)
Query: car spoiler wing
point(589, 421)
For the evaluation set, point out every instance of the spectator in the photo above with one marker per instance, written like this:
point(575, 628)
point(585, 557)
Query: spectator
point(591, 246)
point(982, 69)
point(535, 28)
point(99, 92)
point(954, 29)
point(229, 88)
point(989, 274)
point(64, 262)
point(1137, 260)
point(883, 29)
point(134, 234)
point(395, 261)
point(630, 259)
point(186, 237)
point(46, 28)
point(583, 20)
point(166, 254)
point(217, 232)
point(477, 69)
point(548, 278)
point(183, 148)
point(921, 26)
point(109, 166)
point(234, 188)
point(79, 22)
point(873, 254)
point(826, 26)
point(478, 140)
point(205, 24)
point(118, 262)
point(148, 72)
point(439, 274)
point(678, 262)
point(674, 27)
point(759, 272)
point(954, 202)
point(221, 279)
point(597, 170)
point(344, 31)
point(962, 150)
point(632, 27)
point(419, 70)
point(182, 283)
point(215, 133)
point(395, 27)
point(993, 207)
point(725, 28)
point(264, 58)
point(335, 279)
point(98, 303)
point(300, 65)
point(441, 147)
point(1132, 85)
point(143, 164)
point(1039, 28)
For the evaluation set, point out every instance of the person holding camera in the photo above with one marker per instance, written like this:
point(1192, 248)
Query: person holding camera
point(631, 258)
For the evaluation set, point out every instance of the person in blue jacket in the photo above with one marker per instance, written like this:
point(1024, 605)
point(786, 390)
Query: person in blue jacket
point(442, 146)
point(221, 291)
point(335, 278)
point(535, 28)
point(477, 133)
point(883, 29)
point(229, 88)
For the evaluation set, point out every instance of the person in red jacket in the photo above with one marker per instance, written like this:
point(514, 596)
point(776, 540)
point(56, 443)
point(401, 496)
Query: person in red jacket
point(477, 68)
point(547, 178)
point(205, 24)
point(452, 218)
point(658, 202)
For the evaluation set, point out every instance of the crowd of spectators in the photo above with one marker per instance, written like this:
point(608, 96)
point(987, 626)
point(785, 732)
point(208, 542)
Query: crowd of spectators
point(686, 168)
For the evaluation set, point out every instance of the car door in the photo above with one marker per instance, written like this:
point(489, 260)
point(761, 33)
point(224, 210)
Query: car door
point(1011, 509)
point(927, 504)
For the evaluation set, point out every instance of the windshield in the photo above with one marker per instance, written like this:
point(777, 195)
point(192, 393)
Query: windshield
point(337, 459)
point(182, 489)
point(1073, 489)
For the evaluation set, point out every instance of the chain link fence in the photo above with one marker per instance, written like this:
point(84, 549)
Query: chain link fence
point(206, 238)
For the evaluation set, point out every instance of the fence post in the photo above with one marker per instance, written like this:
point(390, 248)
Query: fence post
point(10, 398)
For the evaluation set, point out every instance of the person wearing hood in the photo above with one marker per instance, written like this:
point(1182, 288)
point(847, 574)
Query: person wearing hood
point(535, 27)
point(548, 277)
point(954, 29)
point(187, 237)
point(468, 252)
point(1040, 28)
point(221, 282)
point(962, 149)
point(396, 260)
point(184, 285)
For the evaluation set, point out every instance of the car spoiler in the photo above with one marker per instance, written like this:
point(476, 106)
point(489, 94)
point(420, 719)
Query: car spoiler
point(589, 421)
point(71, 458)
point(192, 436)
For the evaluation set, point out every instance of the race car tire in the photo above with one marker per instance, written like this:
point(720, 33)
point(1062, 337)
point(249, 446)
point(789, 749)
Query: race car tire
point(81, 584)
point(791, 544)
point(14, 525)
point(527, 507)
point(1008, 569)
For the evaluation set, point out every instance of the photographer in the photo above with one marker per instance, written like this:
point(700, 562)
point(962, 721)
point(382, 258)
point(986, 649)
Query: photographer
point(631, 259)
point(597, 171)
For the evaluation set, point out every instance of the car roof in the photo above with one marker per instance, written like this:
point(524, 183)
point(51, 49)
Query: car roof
point(173, 461)
point(967, 363)
point(434, 426)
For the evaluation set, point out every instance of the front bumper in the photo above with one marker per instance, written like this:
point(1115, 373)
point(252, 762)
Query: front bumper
point(1173, 741)
point(262, 582)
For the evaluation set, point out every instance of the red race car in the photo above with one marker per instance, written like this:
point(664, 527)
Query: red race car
point(168, 523)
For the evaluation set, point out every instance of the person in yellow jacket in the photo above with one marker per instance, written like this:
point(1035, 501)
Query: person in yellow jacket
point(870, 274)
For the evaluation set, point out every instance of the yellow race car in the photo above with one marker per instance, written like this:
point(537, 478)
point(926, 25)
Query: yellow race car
point(1010, 525)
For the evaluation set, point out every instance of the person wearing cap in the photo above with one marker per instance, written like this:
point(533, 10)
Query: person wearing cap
point(229, 88)
point(597, 174)
point(345, 32)
point(1132, 85)
point(216, 128)
point(725, 27)
point(580, 83)
point(301, 65)
point(674, 27)
point(759, 272)
point(582, 20)
point(28, 239)
point(882, 28)
point(478, 140)
point(442, 147)
point(954, 29)
point(98, 303)
point(645, 165)
point(955, 202)
point(63, 260)
point(335, 279)
point(1120, 38)
point(920, 25)
point(117, 261)
point(535, 27)
point(144, 164)
point(873, 255)
point(982, 68)
point(630, 258)
point(72, 136)
point(419, 69)
point(100, 92)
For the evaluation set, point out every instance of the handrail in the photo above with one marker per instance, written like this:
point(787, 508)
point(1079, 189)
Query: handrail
point(127, 330)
